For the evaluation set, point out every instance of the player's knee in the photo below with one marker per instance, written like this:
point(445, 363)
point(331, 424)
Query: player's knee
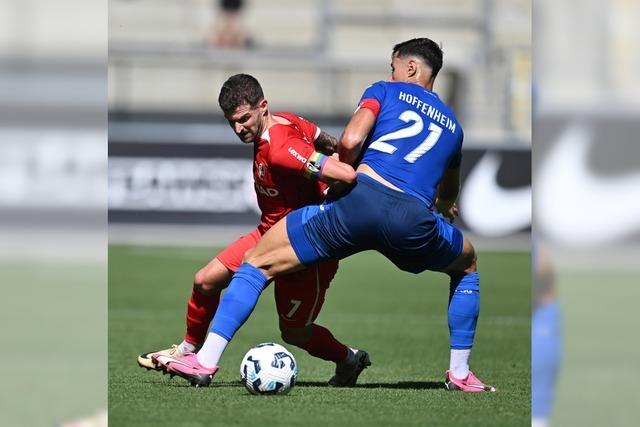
point(466, 262)
point(199, 278)
point(295, 336)
point(473, 265)
point(469, 257)
point(205, 282)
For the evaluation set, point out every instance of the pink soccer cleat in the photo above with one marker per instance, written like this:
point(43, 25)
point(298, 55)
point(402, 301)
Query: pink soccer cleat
point(187, 367)
point(471, 384)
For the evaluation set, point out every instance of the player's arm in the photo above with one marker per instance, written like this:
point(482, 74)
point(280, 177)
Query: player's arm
point(354, 135)
point(297, 156)
point(329, 170)
point(449, 185)
point(326, 143)
point(448, 191)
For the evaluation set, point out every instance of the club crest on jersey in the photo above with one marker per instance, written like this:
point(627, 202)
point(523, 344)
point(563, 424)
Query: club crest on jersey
point(261, 170)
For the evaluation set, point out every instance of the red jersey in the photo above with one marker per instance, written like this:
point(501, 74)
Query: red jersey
point(279, 165)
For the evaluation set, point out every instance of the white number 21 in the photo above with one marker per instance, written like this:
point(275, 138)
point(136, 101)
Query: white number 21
point(407, 116)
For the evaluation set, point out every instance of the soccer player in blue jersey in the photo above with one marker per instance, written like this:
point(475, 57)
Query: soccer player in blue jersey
point(406, 144)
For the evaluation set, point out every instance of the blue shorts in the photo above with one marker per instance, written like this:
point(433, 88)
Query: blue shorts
point(374, 217)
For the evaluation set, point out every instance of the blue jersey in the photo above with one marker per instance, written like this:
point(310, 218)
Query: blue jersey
point(416, 137)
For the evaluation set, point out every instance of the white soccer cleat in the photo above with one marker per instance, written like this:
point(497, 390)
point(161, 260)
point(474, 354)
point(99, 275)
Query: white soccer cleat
point(145, 360)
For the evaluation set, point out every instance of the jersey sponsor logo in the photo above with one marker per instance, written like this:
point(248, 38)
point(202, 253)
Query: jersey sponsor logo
point(270, 192)
point(297, 155)
point(510, 209)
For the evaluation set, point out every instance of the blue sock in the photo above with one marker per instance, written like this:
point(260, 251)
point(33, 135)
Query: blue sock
point(464, 307)
point(238, 301)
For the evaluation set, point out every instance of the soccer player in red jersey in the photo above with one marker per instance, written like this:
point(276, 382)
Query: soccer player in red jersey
point(292, 168)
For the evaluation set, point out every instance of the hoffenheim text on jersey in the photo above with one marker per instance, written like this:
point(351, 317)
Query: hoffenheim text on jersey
point(429, 110)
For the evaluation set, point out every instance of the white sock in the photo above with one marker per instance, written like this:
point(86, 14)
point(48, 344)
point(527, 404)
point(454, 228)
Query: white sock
point(211, 351)
point(186, 347)
point(459, 363)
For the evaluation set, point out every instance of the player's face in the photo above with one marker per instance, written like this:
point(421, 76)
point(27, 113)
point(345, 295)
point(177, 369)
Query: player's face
point(398, 70)
point(246, 121)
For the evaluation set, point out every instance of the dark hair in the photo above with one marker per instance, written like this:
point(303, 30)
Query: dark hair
point(240, 89)
point(424, 48)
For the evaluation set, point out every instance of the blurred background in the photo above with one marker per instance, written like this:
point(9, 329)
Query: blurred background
point(174, 161)
point(53, 199)
point(167, 61)
point(586, 209)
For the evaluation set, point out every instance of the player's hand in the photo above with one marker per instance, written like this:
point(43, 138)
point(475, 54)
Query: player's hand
point(452, 213)
point(447, 209)
point(336, 190)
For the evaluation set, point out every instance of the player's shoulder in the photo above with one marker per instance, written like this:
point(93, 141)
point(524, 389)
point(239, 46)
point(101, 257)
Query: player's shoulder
point(288, 116)
point(295, 119)
point(380, 85)
point(284, 134)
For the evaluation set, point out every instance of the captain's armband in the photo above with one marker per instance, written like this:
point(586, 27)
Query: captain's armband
point(313, 167)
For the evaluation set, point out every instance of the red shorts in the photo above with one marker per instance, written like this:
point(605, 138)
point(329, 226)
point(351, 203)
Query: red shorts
point(300, 295)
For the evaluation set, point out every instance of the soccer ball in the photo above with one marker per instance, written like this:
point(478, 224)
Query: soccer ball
point(268, 368)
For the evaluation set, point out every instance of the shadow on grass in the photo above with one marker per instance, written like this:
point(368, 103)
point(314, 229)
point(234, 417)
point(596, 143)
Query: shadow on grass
point(182, 383)
point(402, 385)
point(405, 385)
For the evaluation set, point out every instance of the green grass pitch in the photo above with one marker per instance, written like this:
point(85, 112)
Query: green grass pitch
point(398, 317)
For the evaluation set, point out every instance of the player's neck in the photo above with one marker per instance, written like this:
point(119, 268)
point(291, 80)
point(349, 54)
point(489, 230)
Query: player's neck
point(422, 83)
point(273, 120)
point(269, 121)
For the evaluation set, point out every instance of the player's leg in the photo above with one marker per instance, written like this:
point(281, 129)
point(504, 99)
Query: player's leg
point(208, 283)
point(299, 299)
point(273, 255)
point(319, 342)
point(463, 308)
point(236, 306)
point(428, 241)
point(245, 289)
point(422, 241)
point(463, 312)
